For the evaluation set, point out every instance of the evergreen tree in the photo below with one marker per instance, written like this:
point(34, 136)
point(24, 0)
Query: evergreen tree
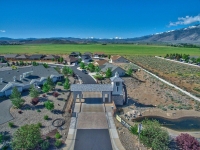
point(49, 105)
point(66, 85)
point(46, 88)
point(50, 83)
point(33, 92)
point(16, 99)
point(108, 73)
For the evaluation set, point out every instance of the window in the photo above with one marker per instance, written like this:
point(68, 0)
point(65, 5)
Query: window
point(117, 83)
point(117, 89)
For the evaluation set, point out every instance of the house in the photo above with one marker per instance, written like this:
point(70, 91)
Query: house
point(70, 60)
point(100, 62)
point(51, 57)
point(36, 57)
point(98, 55)
point(113, 68)
point(86, 58)
point(23, 78)
point(118, 59)
point(88, 53)
point(11, 56)
point(22, 57)
point(75, 54)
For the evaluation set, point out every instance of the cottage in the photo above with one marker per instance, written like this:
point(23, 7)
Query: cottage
point(23, 78)
point(11, 56)
point(118, 59)
point(22, 57)
point(36, 57)
point(113, 68)
point(75, 54)
point(70, 60)
point(100, 62)
point(51, 57)
point(86, 58)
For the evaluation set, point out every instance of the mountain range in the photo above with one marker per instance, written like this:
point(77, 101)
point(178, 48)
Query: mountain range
point(190, 35)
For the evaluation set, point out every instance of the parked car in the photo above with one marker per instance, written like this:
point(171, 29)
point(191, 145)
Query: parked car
point(84, 71)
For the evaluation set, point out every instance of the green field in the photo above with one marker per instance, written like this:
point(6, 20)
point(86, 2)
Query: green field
point(121, 49)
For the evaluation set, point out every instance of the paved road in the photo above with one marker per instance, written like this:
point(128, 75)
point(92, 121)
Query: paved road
point(84, 77)
point(92, 139)
point(5, 115)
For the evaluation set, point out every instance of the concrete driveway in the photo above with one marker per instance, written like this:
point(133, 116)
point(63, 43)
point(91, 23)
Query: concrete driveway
point(5, 115)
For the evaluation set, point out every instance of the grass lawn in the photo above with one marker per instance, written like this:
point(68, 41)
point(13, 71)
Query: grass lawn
point(121, 49)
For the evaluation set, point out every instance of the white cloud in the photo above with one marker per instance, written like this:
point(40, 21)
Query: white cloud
point(2, 31)
point(185, 21)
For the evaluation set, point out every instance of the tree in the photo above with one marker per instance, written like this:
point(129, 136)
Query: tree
point(45, 65)
point(109, 56)
point(153, 136)
point(97, 69)
point(16, 98)
point(50, 83)
point(35, 63)
point(66, 85)
point(129, 71)
point(26, 137)
point(67, 70)
point(33, 92)
point(187, 142)
point(49, 105)
point(14, 67)
point(46, 88)
point(108, 73)
point(60, 60)
point(91, 67)
point(82, 65)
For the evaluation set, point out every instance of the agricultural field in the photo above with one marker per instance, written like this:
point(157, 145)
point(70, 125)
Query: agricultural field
point(184, 76)
point(121, 49)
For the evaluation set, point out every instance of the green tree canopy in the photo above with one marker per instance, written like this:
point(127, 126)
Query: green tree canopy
point(26, 137)
point(46, 88)
point(66, 85)
point(97, 69)
point(67, 70)
point(45, 65)
point(82, 65)
point(50, 83)
point(108, 73)
point(153, 136)
point(49, 105)
point(129, 71)
point(33, 92)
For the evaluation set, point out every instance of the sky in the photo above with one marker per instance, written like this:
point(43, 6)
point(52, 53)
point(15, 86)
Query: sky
point(95, 19)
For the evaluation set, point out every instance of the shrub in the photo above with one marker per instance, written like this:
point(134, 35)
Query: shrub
point(55, 94)
point(39, 125)
point(57, 135)
point(46, 117)
point(164, 109)
point(188, 142)
point(134, 129)
point(44, 145)
point(58, 143)
point(11, 124)
point(33, 92)
point(59, 83)
point(49, 105)
point(26, 137)
point(38, 110)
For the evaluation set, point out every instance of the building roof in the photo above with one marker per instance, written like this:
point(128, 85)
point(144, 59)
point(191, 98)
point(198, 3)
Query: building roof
point(108, 65)
point(70, 59)
point(116, 78)
point(75, 53)
point(91, 87)
point(22, 57)
point(85, 57)
point(115, 57)
point(36, 56)
point(88, 53)
point(38, 72)
point(98, 53)
point(11, 55)
point(101, 62)
point(51, 57)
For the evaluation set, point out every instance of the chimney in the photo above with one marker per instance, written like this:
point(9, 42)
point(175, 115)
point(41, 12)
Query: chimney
point(14, 78)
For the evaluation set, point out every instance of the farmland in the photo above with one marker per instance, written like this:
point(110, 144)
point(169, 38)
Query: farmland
point(121, 49)
point(184, 76)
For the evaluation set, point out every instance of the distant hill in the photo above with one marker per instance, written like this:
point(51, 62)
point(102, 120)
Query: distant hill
point(186, 35)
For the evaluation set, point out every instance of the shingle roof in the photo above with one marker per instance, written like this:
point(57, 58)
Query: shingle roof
point(38, 72)
point(11, 55)
point(51, 57)
point(70, 59)
point(115, 57)
point(108, 65)
point(22, 57)
point(85, 57)
point(91, 87)
point(37, 56)
point(101, 62)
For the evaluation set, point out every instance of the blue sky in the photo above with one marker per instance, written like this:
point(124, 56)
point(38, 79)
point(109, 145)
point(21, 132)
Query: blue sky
point(90, 18)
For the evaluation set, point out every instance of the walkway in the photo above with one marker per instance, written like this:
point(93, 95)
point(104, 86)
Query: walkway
point(5, 115)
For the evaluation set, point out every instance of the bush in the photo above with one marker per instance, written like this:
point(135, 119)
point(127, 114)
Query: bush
point(57, 135)
point(49, 105)
point(187, 142)
point(46, 117)
point(38, 110)
point(134, 129)
point(44, 145)
point(39, 125)
point(11, 124)
point(58, 143)
point(55, 94)
point(26, 137)
point(59, 83)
